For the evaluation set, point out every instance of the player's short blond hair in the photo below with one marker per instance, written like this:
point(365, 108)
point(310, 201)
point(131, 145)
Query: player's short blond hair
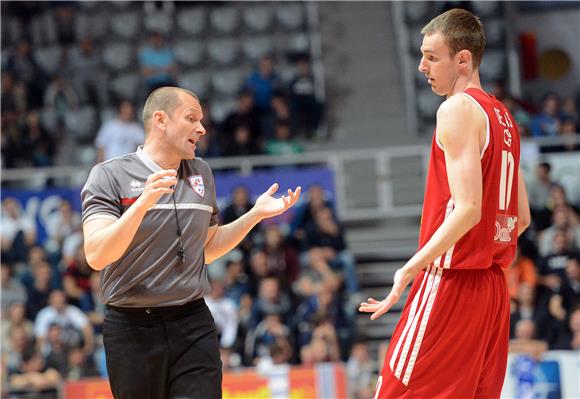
point(163, 99)
point(462, 30)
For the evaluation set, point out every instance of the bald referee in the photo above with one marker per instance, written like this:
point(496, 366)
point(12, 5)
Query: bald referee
point(150, 224)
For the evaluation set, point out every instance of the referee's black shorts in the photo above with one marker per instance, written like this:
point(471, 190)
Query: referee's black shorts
point(163, 352)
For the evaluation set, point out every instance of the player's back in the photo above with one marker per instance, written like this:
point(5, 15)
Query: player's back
point(494, 238)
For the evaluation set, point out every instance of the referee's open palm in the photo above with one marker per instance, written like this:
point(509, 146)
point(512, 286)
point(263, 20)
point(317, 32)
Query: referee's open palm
point(268, 206)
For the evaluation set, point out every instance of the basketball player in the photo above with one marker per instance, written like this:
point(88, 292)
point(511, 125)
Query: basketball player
point(452, 339)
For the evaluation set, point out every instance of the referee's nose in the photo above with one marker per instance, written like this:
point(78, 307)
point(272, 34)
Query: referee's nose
point(200, 129)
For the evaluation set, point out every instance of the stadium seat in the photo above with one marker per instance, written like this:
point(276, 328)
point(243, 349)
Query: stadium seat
point(290, 15)
point(81, 123)
point(225, 19)
point(191, 21)
point(258, 18)
point(189, 52)
point(297, 43)
point(223, 51)
point(118, 56)
point(485, 8)
point(494, 32)
point(49, 120)
point(220, 108)
point(196, 81)
point(416, 11)
point(48, 58)
point(428, 102)
point(126, 25)
point(159, 22)
point(93, 25)
point(227, 82)
point(126, 85)
point(255, 47)
point(492, 65)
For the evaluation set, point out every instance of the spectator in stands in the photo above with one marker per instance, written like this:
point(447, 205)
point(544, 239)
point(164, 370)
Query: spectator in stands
point(25, 69)
point(18, 231)
point(552, 267)
point(12, 290)
point(243, 143)
point(80, 365)
point(75, 325)
point(279, 111)
point(224, 312)
point(20, 342)
point(37, 142)
point(56, 350)
point(525, 341)
point(547, 122)
point(14, 317)
point(528, 307)
point(121, 135)
point(40, 289)
point(263, 82)
point(34, 375)
point(61, 97)
point(575, 329)
point(520, 115)
point(76, 277)
point(279, 353)
point(239, 205)
point(325, 343)
point(305, 212)
point(359, 369)
point(325, 239)
point(305, 109)
point(271, 300)
point(522, 270)
point(236, 280)
point(562, 221)
point(570, 112)
point(64, 21)
point(539, 195)
point(283, 143)
point(258, 271)
point(569, 135)
point(158, 63)
point(60, 225)
point(92, 305)
point(259, 340)
point(282, 258)
point(14, 96)
point(88, 74)
point(245, 114)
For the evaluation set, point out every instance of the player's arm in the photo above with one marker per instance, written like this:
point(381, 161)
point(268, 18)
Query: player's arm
point(524, 217)
point(459, 127)
point(107, 240)
point(222, 239)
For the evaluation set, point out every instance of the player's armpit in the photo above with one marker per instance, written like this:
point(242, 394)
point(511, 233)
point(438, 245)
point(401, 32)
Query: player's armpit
point(524, 217)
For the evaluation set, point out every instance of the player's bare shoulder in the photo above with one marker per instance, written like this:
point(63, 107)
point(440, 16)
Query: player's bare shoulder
point(459, 107)
point(457, 115)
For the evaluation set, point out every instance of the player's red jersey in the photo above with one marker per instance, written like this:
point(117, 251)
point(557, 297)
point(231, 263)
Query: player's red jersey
point(493, 240)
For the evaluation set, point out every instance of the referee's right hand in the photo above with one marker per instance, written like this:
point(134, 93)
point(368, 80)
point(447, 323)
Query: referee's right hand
point(157, 184)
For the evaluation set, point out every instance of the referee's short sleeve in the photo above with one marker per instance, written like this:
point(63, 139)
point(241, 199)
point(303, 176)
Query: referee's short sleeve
point(100, 195)
point(214, 215)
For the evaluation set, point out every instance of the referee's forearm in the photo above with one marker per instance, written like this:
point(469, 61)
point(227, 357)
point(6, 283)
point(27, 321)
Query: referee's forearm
point(106, 244)
point(229, 236)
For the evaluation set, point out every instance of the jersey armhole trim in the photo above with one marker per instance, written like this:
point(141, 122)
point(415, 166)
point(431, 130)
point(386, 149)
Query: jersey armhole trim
point(487, 133)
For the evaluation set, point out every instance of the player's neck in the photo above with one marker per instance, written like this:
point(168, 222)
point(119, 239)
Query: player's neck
point(465, 82)
point(161, 156)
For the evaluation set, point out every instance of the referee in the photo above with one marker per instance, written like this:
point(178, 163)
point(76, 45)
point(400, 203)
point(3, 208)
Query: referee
point(150, 224)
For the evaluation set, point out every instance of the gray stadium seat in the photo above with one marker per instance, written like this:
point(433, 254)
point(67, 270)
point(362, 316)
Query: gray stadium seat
point(492, 65)
point(118, 56)
point(127, 24)
point(94, 25)
point(255, 47)
point(159, 22)
point(223, 51)
point(189, 52)
point(494, 32)
point(196, 81)
point(258, 18)
point(485, 8)
point(126, 85)
point(415, 39)
point(48, 58)
point(428, 102)
point(297, 43)
point(416, 11)
point(49, 120)
point(221, 108)
point(225, 19)
point(290, 16)
point(81, 123)
point(228, 82)
point(192, 20)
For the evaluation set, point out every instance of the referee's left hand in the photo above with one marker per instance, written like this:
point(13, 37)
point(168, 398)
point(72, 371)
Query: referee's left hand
point(268, 206)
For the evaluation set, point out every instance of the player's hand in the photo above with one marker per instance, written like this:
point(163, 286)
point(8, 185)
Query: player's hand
point(402, 279)
point(157, 184)
point(267, 206)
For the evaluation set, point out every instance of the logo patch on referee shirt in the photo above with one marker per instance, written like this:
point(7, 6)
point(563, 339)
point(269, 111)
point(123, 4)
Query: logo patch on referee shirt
point(196, 182)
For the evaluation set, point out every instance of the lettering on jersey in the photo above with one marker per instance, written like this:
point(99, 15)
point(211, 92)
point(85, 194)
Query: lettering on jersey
point(499, 117)
point(507, 137)
point(196, 182)
point(136, 186)
point(505, 229)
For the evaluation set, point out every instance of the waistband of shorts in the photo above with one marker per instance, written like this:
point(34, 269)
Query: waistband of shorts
point(189, 307)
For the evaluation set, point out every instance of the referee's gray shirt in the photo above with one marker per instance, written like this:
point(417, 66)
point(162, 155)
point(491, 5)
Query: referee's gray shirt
point(149, 272)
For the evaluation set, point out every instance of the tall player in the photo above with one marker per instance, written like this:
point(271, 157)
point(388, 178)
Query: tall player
point(452, 339)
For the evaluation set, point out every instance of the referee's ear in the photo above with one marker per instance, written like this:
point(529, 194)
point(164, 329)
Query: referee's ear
point(159, 119)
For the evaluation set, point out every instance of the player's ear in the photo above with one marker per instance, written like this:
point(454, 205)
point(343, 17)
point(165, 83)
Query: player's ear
point(464, 58)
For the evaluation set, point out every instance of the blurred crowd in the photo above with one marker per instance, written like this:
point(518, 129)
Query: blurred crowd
point(544, 279)
point(287, 295)
point(49, 112)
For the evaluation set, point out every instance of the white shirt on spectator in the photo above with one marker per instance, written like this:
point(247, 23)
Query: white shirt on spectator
point(71, 315)
point(10, 226)
point(117, 137)
point(226, 319)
